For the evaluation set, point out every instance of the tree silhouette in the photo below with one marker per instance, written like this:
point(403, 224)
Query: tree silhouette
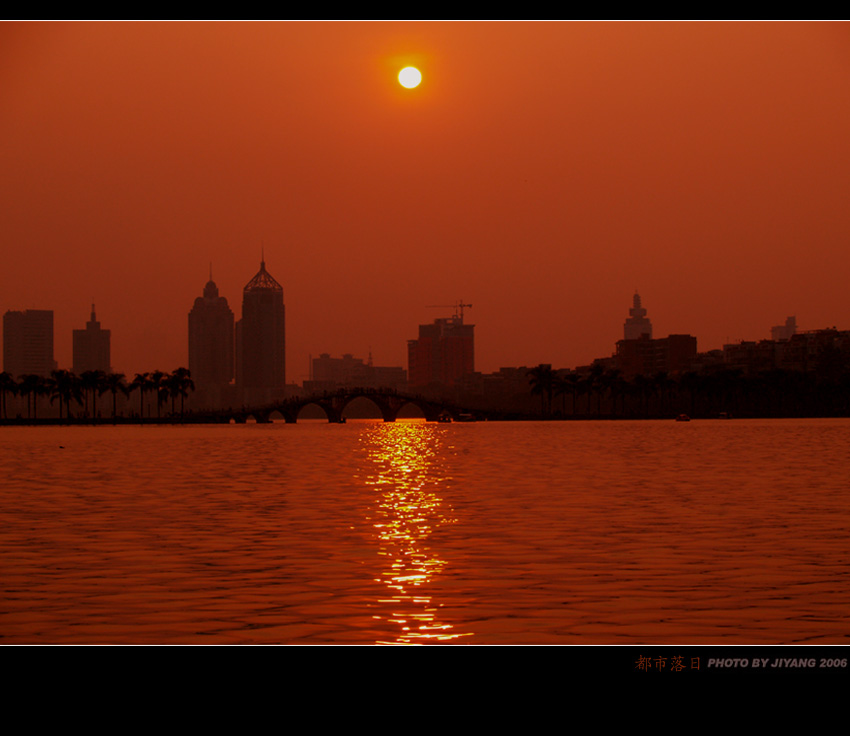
point(142, 383)
point(542, 382)
point(113, 383)
point(158, 386)
point(92, 382)
point(8, 385)
point(64, 386)
point(32, 386)
point(179, 384)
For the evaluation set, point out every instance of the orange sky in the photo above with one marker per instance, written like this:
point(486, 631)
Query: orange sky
point(542, 171)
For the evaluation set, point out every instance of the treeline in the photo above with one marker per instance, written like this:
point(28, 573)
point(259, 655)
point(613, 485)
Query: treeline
point(77, 396)
point(731, 392)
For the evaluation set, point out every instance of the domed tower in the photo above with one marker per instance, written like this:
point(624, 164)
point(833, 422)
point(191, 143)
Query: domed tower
point(211, 357)
point(261, 340)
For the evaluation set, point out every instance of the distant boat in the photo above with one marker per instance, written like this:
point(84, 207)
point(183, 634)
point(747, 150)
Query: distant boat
point(466, 418)
point(683, 418)
point(445, 418)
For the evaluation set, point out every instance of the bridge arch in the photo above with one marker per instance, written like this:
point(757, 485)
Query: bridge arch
point(410, 410)
point(361, 407)
point(315, 407)
point(390, 404)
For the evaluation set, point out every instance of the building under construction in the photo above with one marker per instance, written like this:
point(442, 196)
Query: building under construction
point(443, 353)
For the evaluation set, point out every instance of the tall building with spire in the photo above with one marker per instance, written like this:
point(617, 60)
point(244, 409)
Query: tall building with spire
point(92, 347)
point(637, 323)
point(261, 340)
point(211, 355)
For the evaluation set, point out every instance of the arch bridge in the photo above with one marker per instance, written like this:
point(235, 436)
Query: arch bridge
point(389, 403)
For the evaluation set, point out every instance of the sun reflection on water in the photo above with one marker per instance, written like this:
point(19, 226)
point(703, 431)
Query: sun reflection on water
point(407, 473)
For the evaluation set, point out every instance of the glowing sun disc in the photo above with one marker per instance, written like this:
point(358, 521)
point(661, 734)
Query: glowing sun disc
point(409, 77)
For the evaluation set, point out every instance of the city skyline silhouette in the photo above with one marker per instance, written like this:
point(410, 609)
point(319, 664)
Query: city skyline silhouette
point(217, 356)
point(240, 400)
point(543, 170)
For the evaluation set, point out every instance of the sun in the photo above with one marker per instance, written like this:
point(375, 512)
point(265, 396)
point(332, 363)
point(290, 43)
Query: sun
point(409, 77)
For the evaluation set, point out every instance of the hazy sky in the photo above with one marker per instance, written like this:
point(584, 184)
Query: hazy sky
point(542, 172)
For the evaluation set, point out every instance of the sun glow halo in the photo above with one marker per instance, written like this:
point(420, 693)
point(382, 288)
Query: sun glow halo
point(409, 77)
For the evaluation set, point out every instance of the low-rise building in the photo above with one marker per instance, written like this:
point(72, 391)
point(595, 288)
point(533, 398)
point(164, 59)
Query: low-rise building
point(645, 356)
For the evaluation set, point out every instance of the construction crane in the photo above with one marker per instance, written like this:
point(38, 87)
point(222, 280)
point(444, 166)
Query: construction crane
point(458, 306)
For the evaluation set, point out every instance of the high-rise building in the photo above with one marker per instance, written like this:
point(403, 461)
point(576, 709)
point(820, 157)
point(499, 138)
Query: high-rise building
point(261, 340)
point(91, 347)
point(637, 323)
point(442, 354)
point(211, 358)
point(28, 342)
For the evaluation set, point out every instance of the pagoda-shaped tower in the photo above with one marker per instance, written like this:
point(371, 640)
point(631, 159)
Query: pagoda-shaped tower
point(637, 323)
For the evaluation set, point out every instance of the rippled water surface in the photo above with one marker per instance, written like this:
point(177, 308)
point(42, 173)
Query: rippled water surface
point(723, 532)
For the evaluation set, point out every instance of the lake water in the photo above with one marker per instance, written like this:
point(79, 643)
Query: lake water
point(707, 532)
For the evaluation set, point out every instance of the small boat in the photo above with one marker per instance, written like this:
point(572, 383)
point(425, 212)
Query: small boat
point(683, 418)
point(466, 418)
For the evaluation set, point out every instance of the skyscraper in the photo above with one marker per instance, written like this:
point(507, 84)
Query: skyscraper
point(211, 356)
point(261, 340)
point(91, 347)
point(442, 354)
point(637, 323)
point(28, 342)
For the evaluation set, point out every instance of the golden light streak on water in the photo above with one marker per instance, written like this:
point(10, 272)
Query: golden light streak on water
point(407, 476)
point(703, 532)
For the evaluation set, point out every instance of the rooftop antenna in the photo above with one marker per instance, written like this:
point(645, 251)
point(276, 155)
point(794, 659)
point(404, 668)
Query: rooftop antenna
point(458, 306)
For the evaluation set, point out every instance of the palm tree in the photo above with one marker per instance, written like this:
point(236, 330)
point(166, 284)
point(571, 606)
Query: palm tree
point(542, 382)
point(692, 382)
point(566, 382)
point(573, 381)
point(179, 384)
point(616, 386)
point(593, 385)
point(157, 384)
point(35, 386)
point(8, 384)
point(92, 382)
point(663, 385)
point(643, 388)
point(115, 382)
point(64, 386)
point(142, 382)
point(561, 388)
